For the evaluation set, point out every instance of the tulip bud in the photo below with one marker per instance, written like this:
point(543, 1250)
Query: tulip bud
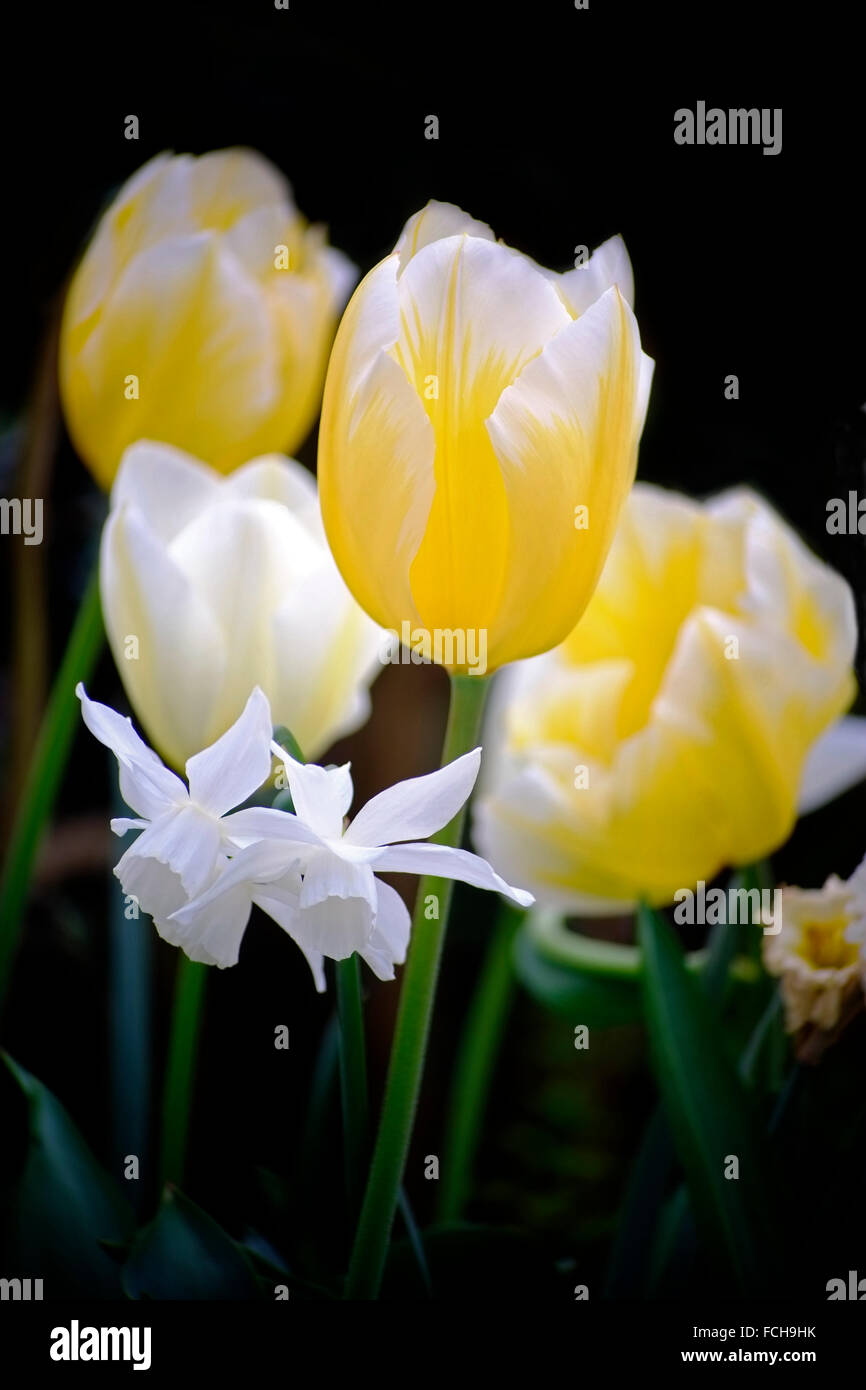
point(213, 585)
point(201, 314)
point(677, 728)
point(479, 435)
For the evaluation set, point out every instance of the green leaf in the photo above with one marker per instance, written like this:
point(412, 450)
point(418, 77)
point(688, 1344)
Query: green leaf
point(708, 1110)
point(63, 1211)
point(184, 1254)
point(596, 1000)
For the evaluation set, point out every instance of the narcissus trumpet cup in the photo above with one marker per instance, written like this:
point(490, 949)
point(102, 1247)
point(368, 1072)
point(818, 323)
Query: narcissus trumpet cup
point(212, 584)
point(202, 313)
point(679, 727)
point(479, 435)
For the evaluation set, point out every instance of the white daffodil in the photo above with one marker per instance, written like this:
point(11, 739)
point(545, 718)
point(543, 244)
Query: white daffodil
point(318, 880)
point(187, 834)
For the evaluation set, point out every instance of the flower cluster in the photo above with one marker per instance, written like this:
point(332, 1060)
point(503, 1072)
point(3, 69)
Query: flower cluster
point(199, 865)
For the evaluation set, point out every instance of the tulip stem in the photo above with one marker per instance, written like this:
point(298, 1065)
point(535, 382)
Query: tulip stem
point(45, 773)
point(476, 1062)
point(186, 1015)
point(353, 1081)
point(409, 1047)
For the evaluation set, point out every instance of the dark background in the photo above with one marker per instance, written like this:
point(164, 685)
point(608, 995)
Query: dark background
point(556, 127)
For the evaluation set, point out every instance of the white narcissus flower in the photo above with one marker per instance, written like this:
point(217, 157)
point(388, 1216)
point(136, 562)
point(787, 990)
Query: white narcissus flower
point(816, 953)
point(211, 585)
point(186, 832)
point(340, 907)
point(198, 867)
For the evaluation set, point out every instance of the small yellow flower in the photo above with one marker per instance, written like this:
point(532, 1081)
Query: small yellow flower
point(818, 965)
point(479, 434)
point(677, 729)
point(201, 314)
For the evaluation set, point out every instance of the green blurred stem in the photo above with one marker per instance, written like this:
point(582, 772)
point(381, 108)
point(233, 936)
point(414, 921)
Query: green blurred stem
point(46, 772)
point(409, 1047)
point(353, 1081)
point(476, 1062)
point(186, 1016)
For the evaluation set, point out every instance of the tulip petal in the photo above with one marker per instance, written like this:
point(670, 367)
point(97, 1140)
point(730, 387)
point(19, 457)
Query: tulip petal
point(208, 309)
point(608, 265)
point(275, 478)
point(166, 486)
point(418, 807)
point(230, 770)
point(444, 862)
point(566, 436)
point(241, 557)
point(174, 676)
point(376, 450)
point(472, 314)
point(433, 223)
point(323, 697)
point(835, 763)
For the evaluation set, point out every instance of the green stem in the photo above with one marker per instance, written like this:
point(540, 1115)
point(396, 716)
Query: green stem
point(610, 959)
point(186, 1014)
point(476, 1061)
point(408, 1050)
point(353, 1081)
point(46, 772)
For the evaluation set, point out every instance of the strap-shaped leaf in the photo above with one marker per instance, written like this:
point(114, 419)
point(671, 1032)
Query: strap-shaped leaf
point(709, 1113)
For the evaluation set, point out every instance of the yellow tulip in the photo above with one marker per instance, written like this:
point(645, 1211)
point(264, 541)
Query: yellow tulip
point(479, 435)
point(213, 585)
point(674, 732)
point(201, 314)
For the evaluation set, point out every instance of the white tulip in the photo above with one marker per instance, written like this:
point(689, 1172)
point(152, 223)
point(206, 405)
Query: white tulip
point(213, 584)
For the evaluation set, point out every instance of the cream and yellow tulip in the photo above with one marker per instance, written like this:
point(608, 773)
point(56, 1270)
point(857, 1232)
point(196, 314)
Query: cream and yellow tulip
point(211, 585)
point(201, 314)
point(479, 434)
point(678, 728)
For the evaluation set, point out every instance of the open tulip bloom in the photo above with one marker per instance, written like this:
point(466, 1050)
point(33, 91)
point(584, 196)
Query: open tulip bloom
point(479, 434)
point(198, 866)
